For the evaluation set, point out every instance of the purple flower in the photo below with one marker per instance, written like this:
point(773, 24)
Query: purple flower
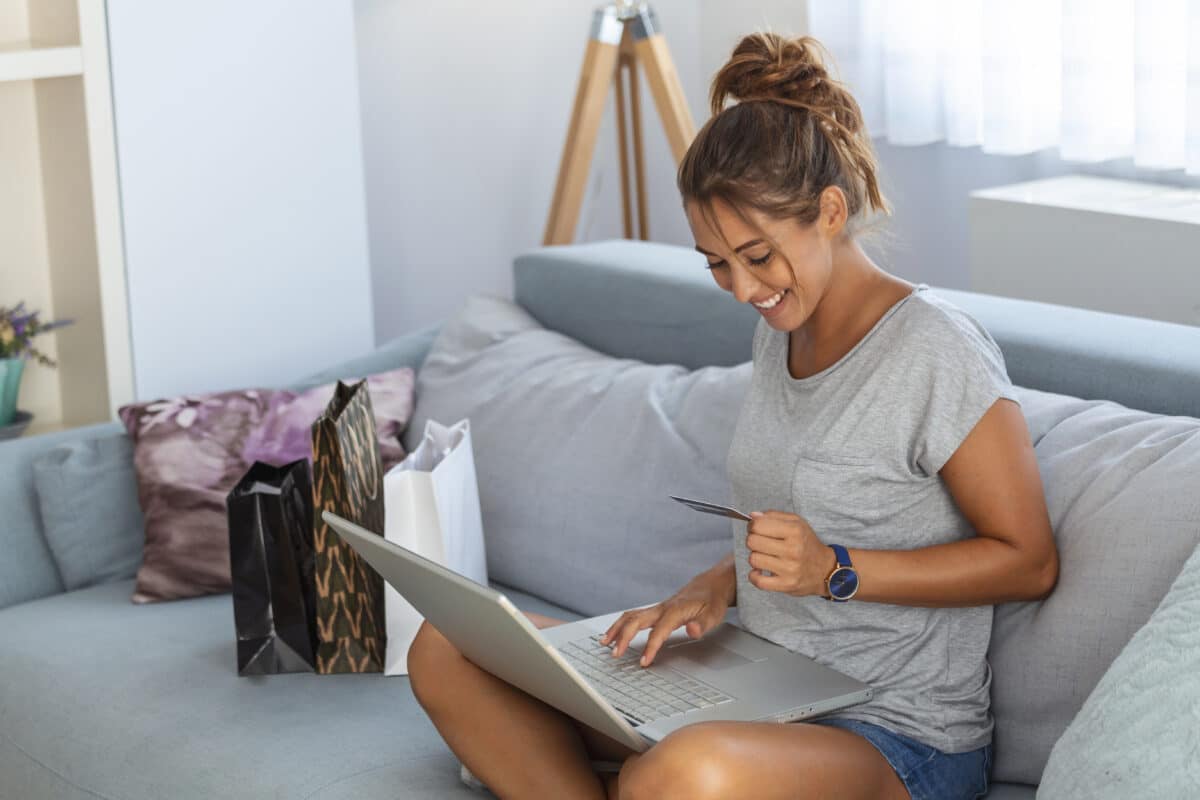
point(20, 328)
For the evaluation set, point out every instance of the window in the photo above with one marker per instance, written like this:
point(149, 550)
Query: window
point(1099, 79)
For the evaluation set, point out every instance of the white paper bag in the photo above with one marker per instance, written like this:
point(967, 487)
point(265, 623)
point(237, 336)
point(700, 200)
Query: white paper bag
point(431, 506)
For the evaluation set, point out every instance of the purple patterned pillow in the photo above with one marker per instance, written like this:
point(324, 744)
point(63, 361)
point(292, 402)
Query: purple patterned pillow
point(189, 452)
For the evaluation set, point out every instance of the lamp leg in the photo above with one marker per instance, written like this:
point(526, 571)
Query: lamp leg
point(639, 160)
point(624, 65)
point(668, 94)
point(599, 62)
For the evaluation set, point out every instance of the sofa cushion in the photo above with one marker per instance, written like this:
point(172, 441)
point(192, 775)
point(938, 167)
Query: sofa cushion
point(576, 455)
point(1120, 487)
point(408, 350)
point(1138, 733)
point(27, 568)
point(190, 451)
point(87, 494)
point(101, 698)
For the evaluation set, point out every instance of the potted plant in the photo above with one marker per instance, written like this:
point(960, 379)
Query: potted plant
point(17, 329)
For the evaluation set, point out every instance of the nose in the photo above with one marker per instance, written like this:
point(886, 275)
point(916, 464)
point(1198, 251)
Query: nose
point(744, 284)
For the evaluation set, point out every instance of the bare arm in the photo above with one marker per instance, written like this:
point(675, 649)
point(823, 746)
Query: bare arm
point(993, 478)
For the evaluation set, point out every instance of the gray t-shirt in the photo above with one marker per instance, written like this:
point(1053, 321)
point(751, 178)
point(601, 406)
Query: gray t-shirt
point(855, 449)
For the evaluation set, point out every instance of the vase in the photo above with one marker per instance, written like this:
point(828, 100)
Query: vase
point(10, 386)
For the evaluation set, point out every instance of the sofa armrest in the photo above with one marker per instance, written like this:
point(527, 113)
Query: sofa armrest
point(408, 350)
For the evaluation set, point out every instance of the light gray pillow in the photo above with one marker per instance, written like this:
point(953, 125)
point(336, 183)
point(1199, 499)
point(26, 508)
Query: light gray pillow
point(576, 453)
point(1138, 733)
point(1121, 491)
point(87, 495)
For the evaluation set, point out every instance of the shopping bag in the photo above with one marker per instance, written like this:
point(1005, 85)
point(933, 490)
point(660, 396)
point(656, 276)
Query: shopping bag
point(432, 502)
point(271, 564)
point(347, 480)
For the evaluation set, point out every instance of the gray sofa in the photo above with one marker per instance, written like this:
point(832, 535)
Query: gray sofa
point(102, 698)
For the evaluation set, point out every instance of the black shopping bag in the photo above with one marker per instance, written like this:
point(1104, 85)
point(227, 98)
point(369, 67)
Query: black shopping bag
point(271, 562)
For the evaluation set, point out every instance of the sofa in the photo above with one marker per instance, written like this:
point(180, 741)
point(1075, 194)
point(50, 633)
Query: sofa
point(103, 698)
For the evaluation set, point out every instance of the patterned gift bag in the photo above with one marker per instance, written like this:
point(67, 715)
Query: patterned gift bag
point(347, 480)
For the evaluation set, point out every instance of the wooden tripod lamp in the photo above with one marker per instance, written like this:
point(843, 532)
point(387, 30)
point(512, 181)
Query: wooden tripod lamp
point(622, 35)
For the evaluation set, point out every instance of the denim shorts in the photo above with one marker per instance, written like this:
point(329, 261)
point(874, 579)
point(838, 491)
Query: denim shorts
point(927, 773)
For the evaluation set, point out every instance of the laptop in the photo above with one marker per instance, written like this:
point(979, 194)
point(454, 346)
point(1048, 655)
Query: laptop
point(728, 674)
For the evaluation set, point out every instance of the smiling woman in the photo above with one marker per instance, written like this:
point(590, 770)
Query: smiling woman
point(874, 443)
point(884, 463)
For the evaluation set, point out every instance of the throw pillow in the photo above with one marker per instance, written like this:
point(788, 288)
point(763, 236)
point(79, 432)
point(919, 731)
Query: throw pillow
point(189, 452)
point(87, 495)
point(576, 453)
point(1120, 487)
point(1138, 733)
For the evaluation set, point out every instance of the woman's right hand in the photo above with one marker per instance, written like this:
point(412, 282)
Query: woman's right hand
point(700, 605)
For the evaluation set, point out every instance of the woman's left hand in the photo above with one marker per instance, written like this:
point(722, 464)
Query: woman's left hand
point(786, 545)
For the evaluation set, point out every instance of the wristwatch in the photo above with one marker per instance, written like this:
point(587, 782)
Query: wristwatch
point(842, 583)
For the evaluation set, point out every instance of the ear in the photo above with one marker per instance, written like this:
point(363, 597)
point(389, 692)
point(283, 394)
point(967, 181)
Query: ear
point(834, 211)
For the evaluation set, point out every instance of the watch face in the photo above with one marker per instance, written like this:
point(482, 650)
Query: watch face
point(843, 583)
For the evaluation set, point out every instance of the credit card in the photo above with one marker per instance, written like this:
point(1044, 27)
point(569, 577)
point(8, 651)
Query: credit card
point(712, 508)
point(720, 510)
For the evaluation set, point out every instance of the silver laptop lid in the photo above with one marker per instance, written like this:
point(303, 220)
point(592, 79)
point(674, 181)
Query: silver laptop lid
point(488, 629)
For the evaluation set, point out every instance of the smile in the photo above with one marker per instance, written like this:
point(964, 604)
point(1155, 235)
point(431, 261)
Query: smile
point(771, 302)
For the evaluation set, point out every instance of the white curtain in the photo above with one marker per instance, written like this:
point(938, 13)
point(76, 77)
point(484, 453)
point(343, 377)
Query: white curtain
point(1099, 79)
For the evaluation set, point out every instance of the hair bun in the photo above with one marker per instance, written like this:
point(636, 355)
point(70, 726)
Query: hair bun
point(767, 66)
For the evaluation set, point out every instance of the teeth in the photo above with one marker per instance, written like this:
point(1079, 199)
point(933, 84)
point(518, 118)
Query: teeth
point(770, 303)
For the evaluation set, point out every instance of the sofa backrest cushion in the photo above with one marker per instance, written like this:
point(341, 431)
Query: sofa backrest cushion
point(27, 568)
point(87, 495)
point(408, 350)
point(1138, 733)
point(1121, 488)
point(576, 455)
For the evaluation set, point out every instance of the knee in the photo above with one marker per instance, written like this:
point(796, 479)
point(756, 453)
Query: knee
point(692, 763)
point(429, 657)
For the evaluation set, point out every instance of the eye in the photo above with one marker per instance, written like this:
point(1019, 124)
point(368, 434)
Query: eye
point(758, 262)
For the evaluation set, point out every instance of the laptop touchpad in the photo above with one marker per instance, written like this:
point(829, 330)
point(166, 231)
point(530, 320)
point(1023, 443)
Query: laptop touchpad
point(710, 656)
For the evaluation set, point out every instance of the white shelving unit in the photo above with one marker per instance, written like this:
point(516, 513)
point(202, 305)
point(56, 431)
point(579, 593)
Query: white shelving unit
point(61, 247)
point(210, 244)
point(26, 61)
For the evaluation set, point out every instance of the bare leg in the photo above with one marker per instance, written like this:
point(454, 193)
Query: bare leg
point(516, 744)
point(762, 760)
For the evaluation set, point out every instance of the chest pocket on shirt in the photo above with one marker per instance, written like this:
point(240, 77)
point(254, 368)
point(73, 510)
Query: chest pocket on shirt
point(851, 497)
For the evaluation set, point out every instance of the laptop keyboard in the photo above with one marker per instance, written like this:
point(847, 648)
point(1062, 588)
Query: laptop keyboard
point(635, 691)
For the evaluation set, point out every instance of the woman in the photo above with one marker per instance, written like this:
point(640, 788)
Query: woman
point(878, 411)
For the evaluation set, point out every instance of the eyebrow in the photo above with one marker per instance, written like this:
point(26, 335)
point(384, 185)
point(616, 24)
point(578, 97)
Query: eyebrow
point(737, 249)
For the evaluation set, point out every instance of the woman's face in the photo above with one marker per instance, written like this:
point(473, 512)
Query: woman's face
point(754, 272)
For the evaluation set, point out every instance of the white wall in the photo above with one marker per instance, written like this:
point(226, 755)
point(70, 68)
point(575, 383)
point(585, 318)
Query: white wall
point(465, 108)
point(239, 150)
